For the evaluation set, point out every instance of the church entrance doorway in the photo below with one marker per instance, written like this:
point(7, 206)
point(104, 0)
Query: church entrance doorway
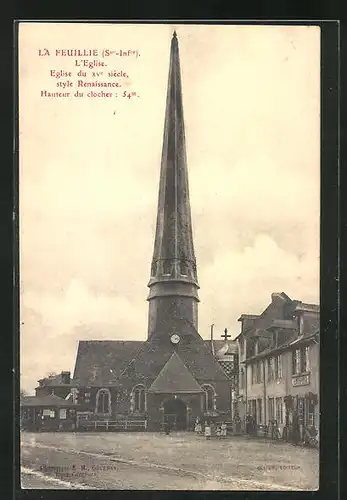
point(175, 414)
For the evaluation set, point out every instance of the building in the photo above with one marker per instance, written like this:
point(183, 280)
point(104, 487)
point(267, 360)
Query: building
point(47, 413)
point(279, 365)
point(173, 376)
point(60, 385)
point(226, 352)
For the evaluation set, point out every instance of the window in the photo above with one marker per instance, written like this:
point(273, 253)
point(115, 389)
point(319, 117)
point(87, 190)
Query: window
point(47, 412)
point(305, 359)
point(271, 409)
point(242, 379)
point(254, 373)
point(278, 367)
point(301, 361)
point(270, 369)
point(242, 347)
point(74, 394)
point(310, 413)
point(252, 408)
point(296, 362)
point(257, 372)
point(139, 399)
point(103, 401)
point(279, 410)
point(301, 407)
point(259, 411)
point(62, 414)
point(209, 396)
point(261, 371)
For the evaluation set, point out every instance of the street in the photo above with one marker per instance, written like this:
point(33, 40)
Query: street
point(180, 461)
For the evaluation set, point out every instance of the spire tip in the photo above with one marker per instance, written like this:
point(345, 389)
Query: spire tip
point(174, 35)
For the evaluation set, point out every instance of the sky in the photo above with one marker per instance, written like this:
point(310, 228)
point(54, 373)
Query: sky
point(89, 175)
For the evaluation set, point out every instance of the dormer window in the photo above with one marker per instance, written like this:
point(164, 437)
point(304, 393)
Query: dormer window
point(301, 324)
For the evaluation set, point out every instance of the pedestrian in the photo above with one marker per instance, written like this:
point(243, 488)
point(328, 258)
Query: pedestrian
point(198, 427)
point(237, 424)
point(248, 424)
point(296, 428)
point(218, 431)
point(207, 430)
point(254, 426)
point(223, 429)
point(167, 427)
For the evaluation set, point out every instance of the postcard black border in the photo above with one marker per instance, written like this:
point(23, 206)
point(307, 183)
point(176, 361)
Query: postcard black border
point(329, 479)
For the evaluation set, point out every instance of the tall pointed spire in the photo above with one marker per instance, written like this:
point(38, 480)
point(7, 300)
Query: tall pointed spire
point(173, 270)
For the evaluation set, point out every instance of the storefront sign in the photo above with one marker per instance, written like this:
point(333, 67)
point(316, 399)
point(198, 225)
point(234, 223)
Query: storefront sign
point(301, 380)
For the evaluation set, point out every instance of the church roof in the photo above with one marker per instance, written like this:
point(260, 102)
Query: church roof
point(99, 362)
point(192, 349)
point(175, 377)
point(49, 400)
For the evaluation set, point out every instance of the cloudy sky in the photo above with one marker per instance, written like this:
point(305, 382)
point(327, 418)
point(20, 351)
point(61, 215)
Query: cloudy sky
point(89, 172)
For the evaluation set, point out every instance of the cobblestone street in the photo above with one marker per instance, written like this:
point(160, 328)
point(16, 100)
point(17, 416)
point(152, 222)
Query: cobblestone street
point(156, 461)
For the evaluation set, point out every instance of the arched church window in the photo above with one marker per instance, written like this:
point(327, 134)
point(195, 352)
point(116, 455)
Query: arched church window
point(138, 399)
point(103, 401)
point(209, 398)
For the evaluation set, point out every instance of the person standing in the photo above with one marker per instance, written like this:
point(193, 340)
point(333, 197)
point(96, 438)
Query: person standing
point(207, 430)
point(167, 427)
point(223, 429)
point(198, 427)
point(296, 428)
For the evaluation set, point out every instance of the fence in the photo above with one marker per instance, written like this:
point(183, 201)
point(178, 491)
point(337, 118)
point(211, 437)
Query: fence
point(112, 425)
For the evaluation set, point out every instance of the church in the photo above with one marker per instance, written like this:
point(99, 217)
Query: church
point(174, 375)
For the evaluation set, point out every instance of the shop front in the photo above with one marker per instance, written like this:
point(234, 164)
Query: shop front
point(47, 413)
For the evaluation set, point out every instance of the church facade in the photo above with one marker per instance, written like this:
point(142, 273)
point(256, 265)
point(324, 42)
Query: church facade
point(174, 375)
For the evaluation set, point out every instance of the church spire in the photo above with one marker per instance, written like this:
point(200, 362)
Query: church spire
point(173, 270)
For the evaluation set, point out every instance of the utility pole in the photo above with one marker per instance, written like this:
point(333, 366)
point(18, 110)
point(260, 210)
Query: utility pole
point(212, 345)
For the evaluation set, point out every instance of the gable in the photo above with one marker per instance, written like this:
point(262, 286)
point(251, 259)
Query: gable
point(175, 377)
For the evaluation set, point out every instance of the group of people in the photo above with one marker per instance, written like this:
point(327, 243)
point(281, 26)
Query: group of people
point(210, 429)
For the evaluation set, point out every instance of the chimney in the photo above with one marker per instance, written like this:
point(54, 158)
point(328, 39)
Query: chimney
point(66, 377)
